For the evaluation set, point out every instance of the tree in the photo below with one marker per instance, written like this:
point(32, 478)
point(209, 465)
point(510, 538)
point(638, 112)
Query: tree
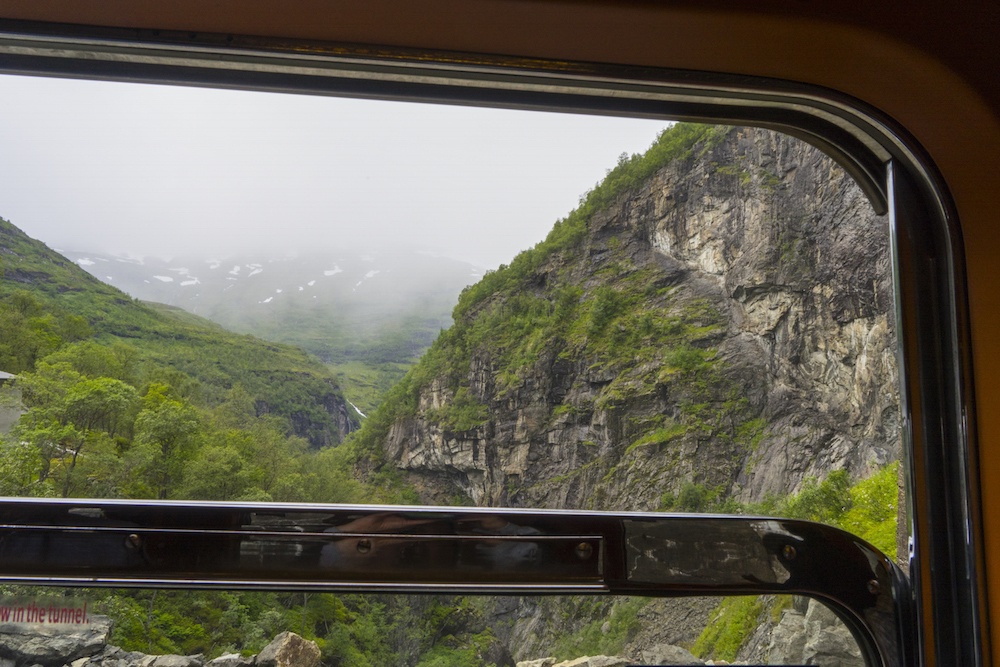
point(91, 359)
point(216, 473)
point(68, 412)
point(19, 466)
point(166, 432)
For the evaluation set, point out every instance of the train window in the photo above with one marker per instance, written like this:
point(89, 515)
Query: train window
point(702, 339)
point(709, 328)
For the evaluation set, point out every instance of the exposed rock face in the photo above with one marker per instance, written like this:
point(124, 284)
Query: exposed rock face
point(314, 427)
point(772, 266)
point(815, 637)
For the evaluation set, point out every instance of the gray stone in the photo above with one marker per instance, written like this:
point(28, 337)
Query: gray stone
point(667, 654)
point(177, 661)
point(594, 661)
point(788, 639)
point(816, 637)
point(230, 660)
point(829, 643)
point(53, 645)
point(289, 650)
point(541, 662)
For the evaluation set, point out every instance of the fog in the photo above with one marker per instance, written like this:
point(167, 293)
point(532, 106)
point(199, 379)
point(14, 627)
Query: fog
point(164, 170)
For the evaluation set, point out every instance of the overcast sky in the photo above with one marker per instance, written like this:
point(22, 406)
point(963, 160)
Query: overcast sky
point(166, 171)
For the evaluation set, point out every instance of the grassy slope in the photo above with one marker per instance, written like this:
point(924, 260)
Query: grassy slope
point(284, 379)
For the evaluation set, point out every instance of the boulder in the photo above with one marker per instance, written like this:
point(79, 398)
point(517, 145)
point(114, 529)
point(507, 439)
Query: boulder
point(289, 650)
point(668, 654)
point(816, 637)
point(595, 661)
point(111, 656)
point(52, 645)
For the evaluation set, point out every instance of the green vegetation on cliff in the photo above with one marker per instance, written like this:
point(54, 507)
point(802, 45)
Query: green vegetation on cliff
point(585, 300)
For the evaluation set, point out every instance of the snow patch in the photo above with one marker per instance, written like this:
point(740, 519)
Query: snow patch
point(83, 261)
point(254, 269)
point(370, 274)
point(166, 279)
point(311, 283)
point(267, 300)
point(185, 283)
point(278, 291)
point(301, 288)
point(108, 278)
point(332, 272)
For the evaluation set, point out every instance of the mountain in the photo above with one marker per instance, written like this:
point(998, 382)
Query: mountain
point(73, 306)
point(723, 319)
point(370, 314)
point(711, 330)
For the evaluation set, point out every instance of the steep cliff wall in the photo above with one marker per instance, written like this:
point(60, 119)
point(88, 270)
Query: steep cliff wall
point(718, 313)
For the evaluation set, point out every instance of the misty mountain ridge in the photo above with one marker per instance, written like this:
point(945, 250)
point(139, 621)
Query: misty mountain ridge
point(370, 313)
point(353, 278)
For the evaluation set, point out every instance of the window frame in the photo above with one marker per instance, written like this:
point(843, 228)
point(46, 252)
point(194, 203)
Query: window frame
point(939, 448)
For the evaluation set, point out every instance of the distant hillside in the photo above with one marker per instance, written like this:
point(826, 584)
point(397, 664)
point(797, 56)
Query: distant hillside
point(74, 306)
point(370, 315)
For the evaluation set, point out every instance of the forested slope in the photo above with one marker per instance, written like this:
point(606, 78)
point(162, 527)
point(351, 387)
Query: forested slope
point(135, 400)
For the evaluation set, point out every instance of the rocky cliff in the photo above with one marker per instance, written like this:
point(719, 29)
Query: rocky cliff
point(717, 315)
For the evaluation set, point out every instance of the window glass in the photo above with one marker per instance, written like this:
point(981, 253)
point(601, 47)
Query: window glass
point(351, 302)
